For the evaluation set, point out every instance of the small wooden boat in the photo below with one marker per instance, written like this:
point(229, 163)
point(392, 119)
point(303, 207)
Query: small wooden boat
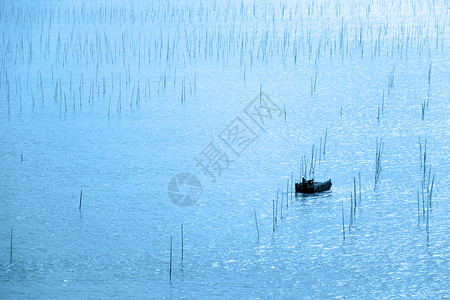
point(311, 187)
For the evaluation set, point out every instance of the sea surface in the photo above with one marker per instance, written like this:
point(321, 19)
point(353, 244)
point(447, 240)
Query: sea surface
point(104, 103)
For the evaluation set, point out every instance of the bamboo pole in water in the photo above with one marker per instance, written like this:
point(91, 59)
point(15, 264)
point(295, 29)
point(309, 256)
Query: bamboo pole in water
point(379, 151)
point(276, 208)
point(320, 149)
point(182, 242)
point(287, 194)
point(260, 92)
point(354, 192)
point(256, 221)
point(431, 190)
point(343, 224)
point(418, 206)
point(11, 254)
point(281, 206)
point(423, 199)
point(350, 222)
point(292, 184)
point(428, 225)
point(359, 174)
point(273, 214)
point(81, 197)
point(170, 263)
point(420, 149)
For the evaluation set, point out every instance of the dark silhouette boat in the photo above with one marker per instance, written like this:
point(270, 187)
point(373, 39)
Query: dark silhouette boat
point(311, 187)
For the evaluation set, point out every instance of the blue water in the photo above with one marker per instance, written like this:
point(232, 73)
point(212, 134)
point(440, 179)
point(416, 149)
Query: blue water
point(114, 99)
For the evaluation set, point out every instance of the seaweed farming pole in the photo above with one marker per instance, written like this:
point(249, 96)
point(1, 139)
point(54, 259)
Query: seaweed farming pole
point(320, 149)
point(431, 190)
point(379, 151)
point(273, 214)
point(11, 254)
point(256, 221)
point(182, 242)
point(170, 262)
point(292, 184)
point(420, 149)
point(359, 174)
point(424, 158)
point(276, 208)
point(343, 224)
point(418, 206)
point(428, 225)
point(260, 92)
point(281, 206)
point(429, 75)
point(354, 191)
point(81, 197)
point(311, 169)
point(287, 194)
point(423, 199)
point(350, 222)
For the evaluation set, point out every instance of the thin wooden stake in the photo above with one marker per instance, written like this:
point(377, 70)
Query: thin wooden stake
point(343, 224)
point(359, 174)
point(418, 206)
point(276, 208)
point(287, 194)
point(281, 206)
point(81, 197)
point(350, 222)
point(292, 184)
point(260, 93)
point(273, 214)
point(256, 221)
point(431, 189)
point(170, 265)
point(420, 149)
point(354, 191)
point(182, 242)
point(11, 254)
point(428, 225)
point(423, 199)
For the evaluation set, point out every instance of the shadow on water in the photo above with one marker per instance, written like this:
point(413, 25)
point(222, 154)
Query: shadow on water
point(326, 195)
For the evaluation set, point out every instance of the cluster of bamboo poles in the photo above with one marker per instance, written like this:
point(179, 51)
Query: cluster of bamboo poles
point(171, 253)
point(282, 202)
point(426, 189)
point(263, 33)
point(355, 200)
point(308, 165)
point(306, 169)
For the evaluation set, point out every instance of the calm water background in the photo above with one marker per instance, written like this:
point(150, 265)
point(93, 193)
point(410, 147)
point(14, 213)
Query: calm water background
point(91, 97)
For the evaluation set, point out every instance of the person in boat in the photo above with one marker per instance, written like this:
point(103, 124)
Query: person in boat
point(306, 182)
